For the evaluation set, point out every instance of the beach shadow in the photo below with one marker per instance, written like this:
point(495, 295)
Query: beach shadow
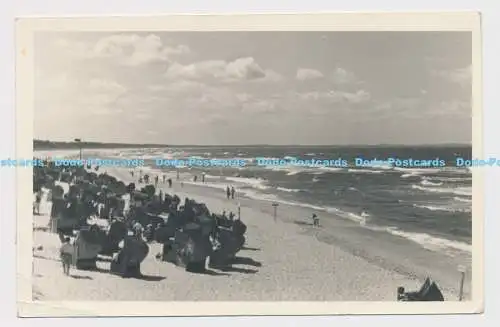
point(209, 272)
point(302, 223)
point(150, 278)
point(238, 270)
point(250, 248)
point(246, 261)
point(80, 277)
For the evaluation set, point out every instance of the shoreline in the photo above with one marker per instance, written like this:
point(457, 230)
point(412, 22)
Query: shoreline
point(381, 259)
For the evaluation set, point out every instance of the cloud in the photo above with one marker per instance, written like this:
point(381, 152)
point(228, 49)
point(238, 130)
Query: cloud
point(241, 69)
point(304, 74)
point(124, 49)
point(342, 76)
point(336, 96)
point(462, 76)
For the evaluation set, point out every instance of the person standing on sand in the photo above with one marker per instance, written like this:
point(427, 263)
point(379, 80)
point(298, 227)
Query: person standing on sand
point(195, 178)
point(164, 178)
point(232, 192)
point(156, 181)
point(203, 177)
point(315, 220)
point(228, 192)
point(170, 182)
point(66, 254)
point(36, 206)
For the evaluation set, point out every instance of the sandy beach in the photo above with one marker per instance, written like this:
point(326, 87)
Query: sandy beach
point(284, 260)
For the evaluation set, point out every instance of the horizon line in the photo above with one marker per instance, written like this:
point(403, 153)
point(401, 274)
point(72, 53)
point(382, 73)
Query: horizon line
point(248, 145)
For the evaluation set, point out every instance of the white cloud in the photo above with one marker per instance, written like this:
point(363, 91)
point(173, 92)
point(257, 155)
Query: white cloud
point(242, 69)
point(336, 96)
point(342, 76)
point(304, 74)
point(462, 76)
point(124, 49)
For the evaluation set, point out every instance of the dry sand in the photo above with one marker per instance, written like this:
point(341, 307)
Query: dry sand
point(280, 262)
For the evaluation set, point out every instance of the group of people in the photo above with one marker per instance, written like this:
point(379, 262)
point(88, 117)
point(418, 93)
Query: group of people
point(230, 192)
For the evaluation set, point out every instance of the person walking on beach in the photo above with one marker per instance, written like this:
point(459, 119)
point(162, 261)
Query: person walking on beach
point(228, 192)
point(232, 192)
point(156, 181)
point(36, 205)
point(66, 254)
point(203, 177)
point(195, 178)
point(170, 182)
point(164, 178)
point(315, 220)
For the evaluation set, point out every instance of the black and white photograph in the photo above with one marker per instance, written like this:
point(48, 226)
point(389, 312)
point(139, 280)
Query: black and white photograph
point(253, 165)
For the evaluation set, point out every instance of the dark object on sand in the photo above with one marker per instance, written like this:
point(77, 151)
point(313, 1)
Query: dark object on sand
point(127, 262)
point(117, 233)
point(428, 292)
point(188, 249)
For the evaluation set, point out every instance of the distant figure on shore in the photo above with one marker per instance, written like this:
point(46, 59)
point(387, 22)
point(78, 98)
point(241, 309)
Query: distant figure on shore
point(315, 220)
point(36, 204)
point(170, 182)
point(160, 195)
point(164, 178)
point(195, 178)
point(140, 180)
point(232, 192)
point(203, 177)
point(156, 181)
point(132, 173)
point(66, 255)
point(146, 179)
point(177, 175)
point(228, 192)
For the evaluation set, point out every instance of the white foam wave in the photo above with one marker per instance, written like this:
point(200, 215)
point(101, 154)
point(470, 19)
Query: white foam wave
point(447, 179)
point(462, 199)
point(256, 183)
point(364, 171)
point(441, 208)
point(428, 183)
point(456, 190)
point(431, 242)
point(289, 190)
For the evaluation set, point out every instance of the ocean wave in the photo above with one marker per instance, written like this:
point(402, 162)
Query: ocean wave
point(256, 183)
point(441, 208)
point(365, 171)
point(431, 242)
point(447, 179)
point(417, 170)
point(289, 190)
point(457, 190)
point(428, 183)
point(462, 199)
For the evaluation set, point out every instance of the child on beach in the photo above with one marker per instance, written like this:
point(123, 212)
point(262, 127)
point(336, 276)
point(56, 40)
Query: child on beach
point(66, 254)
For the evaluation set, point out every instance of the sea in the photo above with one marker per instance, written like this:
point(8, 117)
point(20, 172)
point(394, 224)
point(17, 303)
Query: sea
point(431, 206)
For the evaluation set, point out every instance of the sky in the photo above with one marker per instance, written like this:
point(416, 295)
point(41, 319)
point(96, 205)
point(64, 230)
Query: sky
point(222, 88)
